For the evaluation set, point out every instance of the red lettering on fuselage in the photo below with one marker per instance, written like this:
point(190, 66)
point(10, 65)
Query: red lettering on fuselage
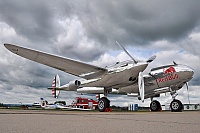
point(168, 78)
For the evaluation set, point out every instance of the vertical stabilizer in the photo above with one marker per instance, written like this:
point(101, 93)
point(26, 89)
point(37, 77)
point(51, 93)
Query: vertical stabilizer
point(55, 85)
point(43, 103)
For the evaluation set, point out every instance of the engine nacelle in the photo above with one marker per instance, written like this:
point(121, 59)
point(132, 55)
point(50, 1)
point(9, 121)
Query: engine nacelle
point(74, 85)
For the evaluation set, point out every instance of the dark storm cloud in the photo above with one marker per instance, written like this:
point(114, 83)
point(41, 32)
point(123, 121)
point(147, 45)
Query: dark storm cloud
point(39, 23)
point(33, 20)
point(129, 22)
point(139, 21)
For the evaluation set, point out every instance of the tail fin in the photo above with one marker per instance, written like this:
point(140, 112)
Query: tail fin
point(43, 102)
point(55, 84)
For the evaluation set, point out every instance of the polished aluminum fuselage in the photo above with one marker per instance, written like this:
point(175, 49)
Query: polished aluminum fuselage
point(120, 75)
point(163, 80)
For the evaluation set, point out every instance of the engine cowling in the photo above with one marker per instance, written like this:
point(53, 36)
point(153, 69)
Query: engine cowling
point(74, 85)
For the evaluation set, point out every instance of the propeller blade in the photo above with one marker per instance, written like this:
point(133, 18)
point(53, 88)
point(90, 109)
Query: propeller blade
point(174, 63)
point(188, 92)
point(151, 59)
point(141, 86)
point(127, 53)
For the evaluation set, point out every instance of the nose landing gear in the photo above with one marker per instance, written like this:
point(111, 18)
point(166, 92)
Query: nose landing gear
point(175, 105)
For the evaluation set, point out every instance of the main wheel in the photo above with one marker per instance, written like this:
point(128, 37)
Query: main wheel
point(103, 104)
point(155, 106)
point(176, 106)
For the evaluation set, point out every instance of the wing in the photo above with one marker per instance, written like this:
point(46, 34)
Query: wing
point(73, 67)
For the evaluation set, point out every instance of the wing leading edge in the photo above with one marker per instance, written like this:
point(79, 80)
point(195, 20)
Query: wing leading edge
point(73, 67)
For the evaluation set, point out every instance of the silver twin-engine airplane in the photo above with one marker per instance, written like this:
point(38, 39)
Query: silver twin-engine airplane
point(125, 78)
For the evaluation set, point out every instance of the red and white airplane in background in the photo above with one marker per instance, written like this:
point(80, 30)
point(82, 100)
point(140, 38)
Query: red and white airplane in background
point(46, 105)
point(121, 78)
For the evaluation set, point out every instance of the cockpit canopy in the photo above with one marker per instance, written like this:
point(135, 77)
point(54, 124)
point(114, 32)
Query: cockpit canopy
point(161, 67)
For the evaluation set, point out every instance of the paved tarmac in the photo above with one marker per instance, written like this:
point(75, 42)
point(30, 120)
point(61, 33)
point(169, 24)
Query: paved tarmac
point(53, 121)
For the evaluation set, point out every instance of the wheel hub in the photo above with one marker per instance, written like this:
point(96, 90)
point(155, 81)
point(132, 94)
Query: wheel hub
point(154, 105)
point(101, 104)
point(175, 105)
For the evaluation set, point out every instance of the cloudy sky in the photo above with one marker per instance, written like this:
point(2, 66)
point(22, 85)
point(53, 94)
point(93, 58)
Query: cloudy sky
point(86, 31)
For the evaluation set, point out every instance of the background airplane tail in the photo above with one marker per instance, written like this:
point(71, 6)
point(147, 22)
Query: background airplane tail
point(55, 85)
point(43, 102)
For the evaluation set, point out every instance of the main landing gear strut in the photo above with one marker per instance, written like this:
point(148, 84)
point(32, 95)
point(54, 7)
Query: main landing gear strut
point(175, 105)
point(104, 103)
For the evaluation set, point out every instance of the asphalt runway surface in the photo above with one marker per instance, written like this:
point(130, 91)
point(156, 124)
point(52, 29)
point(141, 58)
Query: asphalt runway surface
point(54, 121)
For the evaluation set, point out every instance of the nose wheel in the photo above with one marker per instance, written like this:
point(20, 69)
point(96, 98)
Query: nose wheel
point(176, 106)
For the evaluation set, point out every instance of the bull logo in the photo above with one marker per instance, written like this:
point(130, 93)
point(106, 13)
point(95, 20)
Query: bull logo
point(170, 70)
point(169, 74)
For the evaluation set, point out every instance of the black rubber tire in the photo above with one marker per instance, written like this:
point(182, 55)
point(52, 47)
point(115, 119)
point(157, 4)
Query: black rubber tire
point(155, 106)
point(103, 104)
point(176, 106)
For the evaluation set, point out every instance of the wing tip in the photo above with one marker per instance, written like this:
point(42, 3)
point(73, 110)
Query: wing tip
point(11, 47)
point(8, 45)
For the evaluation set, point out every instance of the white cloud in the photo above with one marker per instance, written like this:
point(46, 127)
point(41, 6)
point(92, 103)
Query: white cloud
point(6, 31)
point(74, 43)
